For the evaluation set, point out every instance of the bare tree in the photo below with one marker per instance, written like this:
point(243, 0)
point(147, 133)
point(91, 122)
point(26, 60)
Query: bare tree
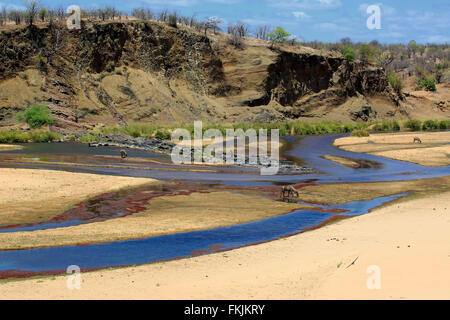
point(32, 11)
point(262, 32)
point(238, 31)
point(16, 16)
point(212, 23)
point(3, 16)
point(163, 15)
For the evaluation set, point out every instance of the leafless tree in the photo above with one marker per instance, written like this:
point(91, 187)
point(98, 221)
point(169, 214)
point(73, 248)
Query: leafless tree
point(262, 31)
point(32, 11)
point(212, 23)
point(16, 16)
point(163, 15)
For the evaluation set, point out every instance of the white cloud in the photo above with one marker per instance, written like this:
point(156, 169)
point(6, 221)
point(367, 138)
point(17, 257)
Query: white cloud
point(307, 4)
point(300, 15)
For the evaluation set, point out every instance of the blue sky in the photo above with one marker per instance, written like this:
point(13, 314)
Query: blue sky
point(324, 20)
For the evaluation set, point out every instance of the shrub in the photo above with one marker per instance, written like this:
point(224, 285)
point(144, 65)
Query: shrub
point(24, 137)
point(13, 137)
point(444, 124)
point(430, 125)
point(36, 116)
point(387, 125)
point(43, 136)
point(173, 19)
point(348, 52)
point(396, 82)
point(110, 67)
point(162, 134)
point(428, 84)
point(414, 125)
point(42, 62)
point(360, 133)
point(89, 138)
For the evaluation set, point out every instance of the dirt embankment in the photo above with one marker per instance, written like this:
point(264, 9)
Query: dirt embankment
point(125, 72)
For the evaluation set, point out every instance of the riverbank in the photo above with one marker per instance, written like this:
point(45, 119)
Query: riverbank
point(408, 241)
point(31, 196)
point(433, 151)
point(181, 210)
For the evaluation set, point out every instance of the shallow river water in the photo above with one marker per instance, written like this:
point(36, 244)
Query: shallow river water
point(308, 151)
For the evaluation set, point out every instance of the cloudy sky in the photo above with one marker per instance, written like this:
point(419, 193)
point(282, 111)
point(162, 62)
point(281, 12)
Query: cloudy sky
point(324, 20)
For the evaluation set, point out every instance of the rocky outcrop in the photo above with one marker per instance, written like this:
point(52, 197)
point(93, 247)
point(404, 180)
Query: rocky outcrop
point(121, 72)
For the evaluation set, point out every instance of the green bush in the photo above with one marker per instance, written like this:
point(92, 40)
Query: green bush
point(396, 82)
point(348, 52)
point(36, 116)
point(387, 125)
point(360, 133)
point(162, 134)
point(427, 84)
point(430, 125)
point(89, 138)
point(444, 124)
point(414, 125)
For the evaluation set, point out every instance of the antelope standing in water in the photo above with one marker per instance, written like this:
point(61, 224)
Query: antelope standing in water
point(123, 154)
point(289, 193)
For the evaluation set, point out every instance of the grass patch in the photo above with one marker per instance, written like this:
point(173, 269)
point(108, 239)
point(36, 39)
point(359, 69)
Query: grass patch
point(89, 138)
point(360, 133)
point(16, 136)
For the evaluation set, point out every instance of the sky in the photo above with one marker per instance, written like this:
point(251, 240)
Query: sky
point(426, 21)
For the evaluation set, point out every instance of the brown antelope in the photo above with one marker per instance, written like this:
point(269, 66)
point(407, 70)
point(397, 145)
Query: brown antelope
point(417, 139)
point(123, 154)
point(288, 193)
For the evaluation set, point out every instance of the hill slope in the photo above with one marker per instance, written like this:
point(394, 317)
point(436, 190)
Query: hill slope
point(125, 72)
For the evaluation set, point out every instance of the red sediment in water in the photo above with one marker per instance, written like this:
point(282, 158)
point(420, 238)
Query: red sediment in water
point(123, 203)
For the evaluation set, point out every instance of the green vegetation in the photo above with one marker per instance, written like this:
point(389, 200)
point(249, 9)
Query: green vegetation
point(414, 125)
point(89, 138)
point(42, 63)
point(110, 67)
point(16, 136)
point(387, 126)
point(430, 125)
point(366, 52)
point(36, 116)
point(348, 52)
point(396, 82)
point(360, 133)
point(278, 35)
point(428, 84)
point(444, 124)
